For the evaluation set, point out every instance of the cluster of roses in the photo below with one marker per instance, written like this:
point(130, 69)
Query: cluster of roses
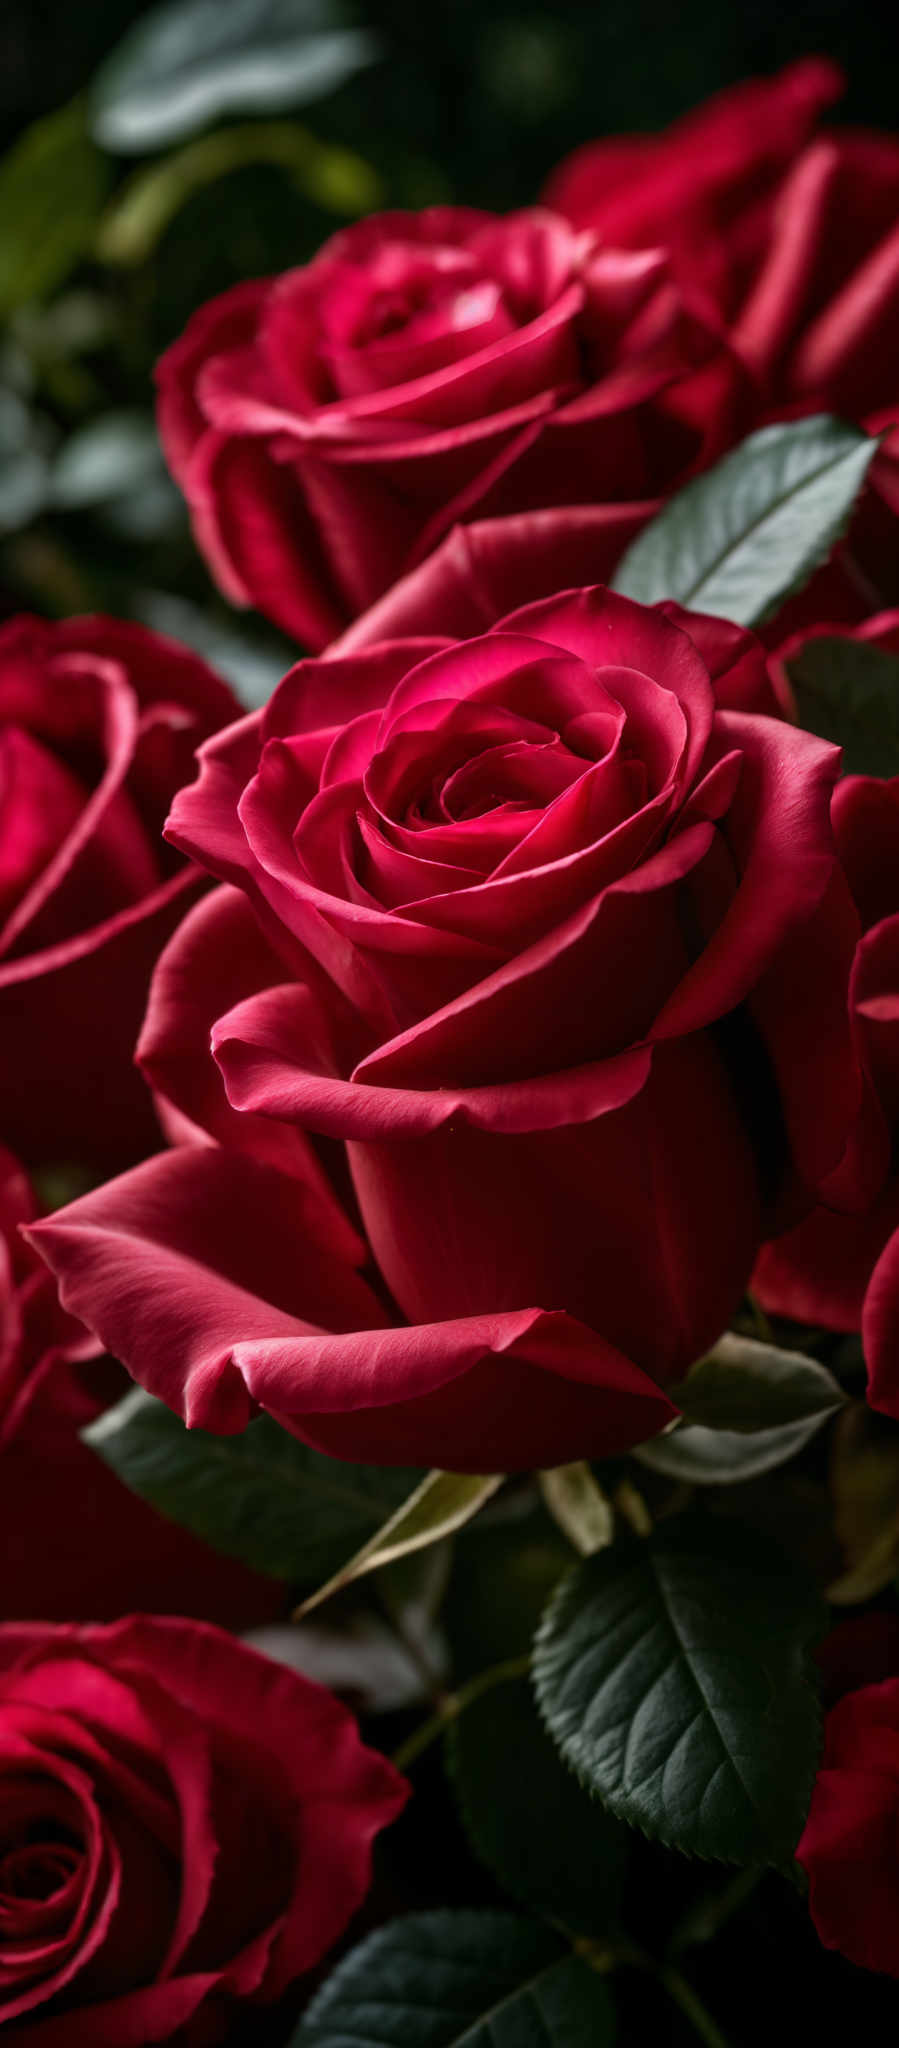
point(547, 995)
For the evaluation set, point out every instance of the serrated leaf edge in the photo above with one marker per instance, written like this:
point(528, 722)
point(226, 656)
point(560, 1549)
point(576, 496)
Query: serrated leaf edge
point(667, 1840)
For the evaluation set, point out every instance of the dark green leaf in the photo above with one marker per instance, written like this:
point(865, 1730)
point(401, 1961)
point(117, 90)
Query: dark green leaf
point(549, 1844)
point(501, 1579)
point(183, 65)
point(263, 1497)
point(848, 691)
point(52, 187)
point(725, 1457)
point(737, 540)
point(748, 1386)
point(673, 1675)
point(436, 1980)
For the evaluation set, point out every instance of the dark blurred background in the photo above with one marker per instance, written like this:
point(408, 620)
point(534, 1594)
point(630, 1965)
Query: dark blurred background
point(492, 93)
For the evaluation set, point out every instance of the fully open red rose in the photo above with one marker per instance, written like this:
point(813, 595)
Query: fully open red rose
point(185, 1827)
point(328, 426)
point(98, 725)
point(75, 1544)
point(850, 1844)
point(840, 1271)
point(534, 927)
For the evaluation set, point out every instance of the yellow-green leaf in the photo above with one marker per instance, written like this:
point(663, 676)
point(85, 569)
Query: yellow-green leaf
point(443, 1502)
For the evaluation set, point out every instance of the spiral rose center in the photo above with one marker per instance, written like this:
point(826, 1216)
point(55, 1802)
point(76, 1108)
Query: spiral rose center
point(36, 1871)
point(457, 306)
point(410, 310)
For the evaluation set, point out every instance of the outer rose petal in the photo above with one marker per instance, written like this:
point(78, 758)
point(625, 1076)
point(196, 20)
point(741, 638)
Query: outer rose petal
point(203, 821)
point(785, 941)
point(87, 997)
point(216, 956)
point(102, 1550)
point(618, 1220)
point(189, 1266)
point(686, 188)
point(137, 2018)
point(736, 660)
point(880, 1330)
point(778, 829)
point(229, 321)
point(266, 1049)
point(832, 1112)
point(848, 1846)
point(194, 1251)
point(866, 826)
point(252, 522)
point(344, 1792)
point(819, 1272)
point(483, 570)
point(159, 669)
point(319, 698)
point(73, 981)
point(528, 1015)
point(495, 1393)
point(148, 1699)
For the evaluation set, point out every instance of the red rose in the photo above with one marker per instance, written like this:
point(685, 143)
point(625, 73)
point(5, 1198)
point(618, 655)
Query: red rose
point(850, 1844)
point(98, 725)
point(490, 904)
point(74, 1543)
point(330, 425)
point(792, 233)
point(792, 230)
point(186, 1828)
point(706, 187)
point(829, 1270)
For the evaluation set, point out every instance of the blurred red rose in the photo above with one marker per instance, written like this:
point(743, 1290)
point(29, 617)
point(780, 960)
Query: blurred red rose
point(792, 232)
point(330, 425)
point(187, 1828)
point(98, 724)
point(850, 1844)
point(75, 1544)
point(534, 924)
point(841, 1271)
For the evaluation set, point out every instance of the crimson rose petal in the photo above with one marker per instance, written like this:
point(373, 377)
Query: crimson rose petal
point(145, 1765)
